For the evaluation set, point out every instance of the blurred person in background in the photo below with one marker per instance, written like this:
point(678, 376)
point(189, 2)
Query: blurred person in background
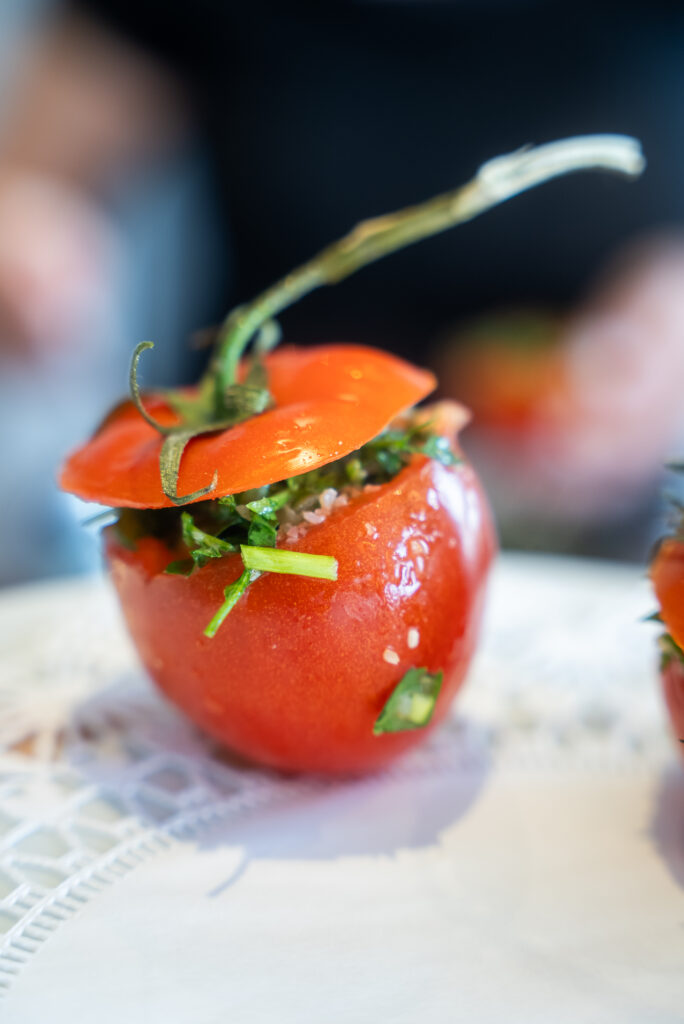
point(312, 117)
point(95, 225)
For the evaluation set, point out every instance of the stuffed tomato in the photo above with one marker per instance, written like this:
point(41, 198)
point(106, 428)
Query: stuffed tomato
point(319, 621)
point(300, 550)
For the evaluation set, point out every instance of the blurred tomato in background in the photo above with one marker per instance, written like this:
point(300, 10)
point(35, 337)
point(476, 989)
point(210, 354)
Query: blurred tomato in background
point(575, 414)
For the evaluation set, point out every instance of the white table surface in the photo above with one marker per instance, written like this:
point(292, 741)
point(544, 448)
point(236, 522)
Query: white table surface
point(526, 864)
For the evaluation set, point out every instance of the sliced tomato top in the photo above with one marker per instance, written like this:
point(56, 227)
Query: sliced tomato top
point(667, 573)
point(329, 401)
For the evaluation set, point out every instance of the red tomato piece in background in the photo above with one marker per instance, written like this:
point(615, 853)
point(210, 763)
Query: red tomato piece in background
point(503, 367)
point(667, 575)
point(299, 671)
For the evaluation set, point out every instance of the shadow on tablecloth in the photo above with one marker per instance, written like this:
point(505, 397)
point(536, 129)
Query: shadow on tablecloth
point(667, 825)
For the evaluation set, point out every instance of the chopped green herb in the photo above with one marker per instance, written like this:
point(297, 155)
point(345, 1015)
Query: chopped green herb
point(354, 470)
point(389, 460)
point(232, 595)
point(262, 531)
point(227, 501)
point(411, 703)
point(292, 563)
point(270, 504)
point(201, 545)
point(393, 448)
point(438, 448)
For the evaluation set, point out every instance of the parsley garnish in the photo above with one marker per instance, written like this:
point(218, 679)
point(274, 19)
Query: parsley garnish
point(411, 703)
point(232, 595)
point(201, 545)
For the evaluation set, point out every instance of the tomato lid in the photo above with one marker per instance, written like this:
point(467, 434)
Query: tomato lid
point(329, 401)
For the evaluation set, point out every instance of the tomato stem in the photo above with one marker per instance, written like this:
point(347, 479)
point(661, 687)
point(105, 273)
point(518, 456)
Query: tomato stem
point(221, 402)
point(495, 182)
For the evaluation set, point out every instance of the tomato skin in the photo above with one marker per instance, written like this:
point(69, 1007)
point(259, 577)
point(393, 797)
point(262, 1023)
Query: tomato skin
point(298, 673)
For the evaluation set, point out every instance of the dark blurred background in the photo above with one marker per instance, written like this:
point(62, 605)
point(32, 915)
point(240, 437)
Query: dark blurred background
point(161, 162)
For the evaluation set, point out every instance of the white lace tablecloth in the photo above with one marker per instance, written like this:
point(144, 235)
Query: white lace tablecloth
point(526, 864)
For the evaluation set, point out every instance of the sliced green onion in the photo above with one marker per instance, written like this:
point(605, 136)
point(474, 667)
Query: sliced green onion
point(232, 595)
point(257, 560)
point(292, 563)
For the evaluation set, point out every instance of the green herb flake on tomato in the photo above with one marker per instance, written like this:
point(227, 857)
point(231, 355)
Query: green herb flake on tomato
point(412, 702)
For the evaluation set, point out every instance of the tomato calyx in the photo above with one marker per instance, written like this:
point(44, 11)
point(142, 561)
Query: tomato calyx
point(206, 411)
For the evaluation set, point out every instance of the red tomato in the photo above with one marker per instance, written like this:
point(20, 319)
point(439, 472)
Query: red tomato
point(329, 401)
point(668, 578)
point(504, 368)
point(667, 574)
point(299, 671)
